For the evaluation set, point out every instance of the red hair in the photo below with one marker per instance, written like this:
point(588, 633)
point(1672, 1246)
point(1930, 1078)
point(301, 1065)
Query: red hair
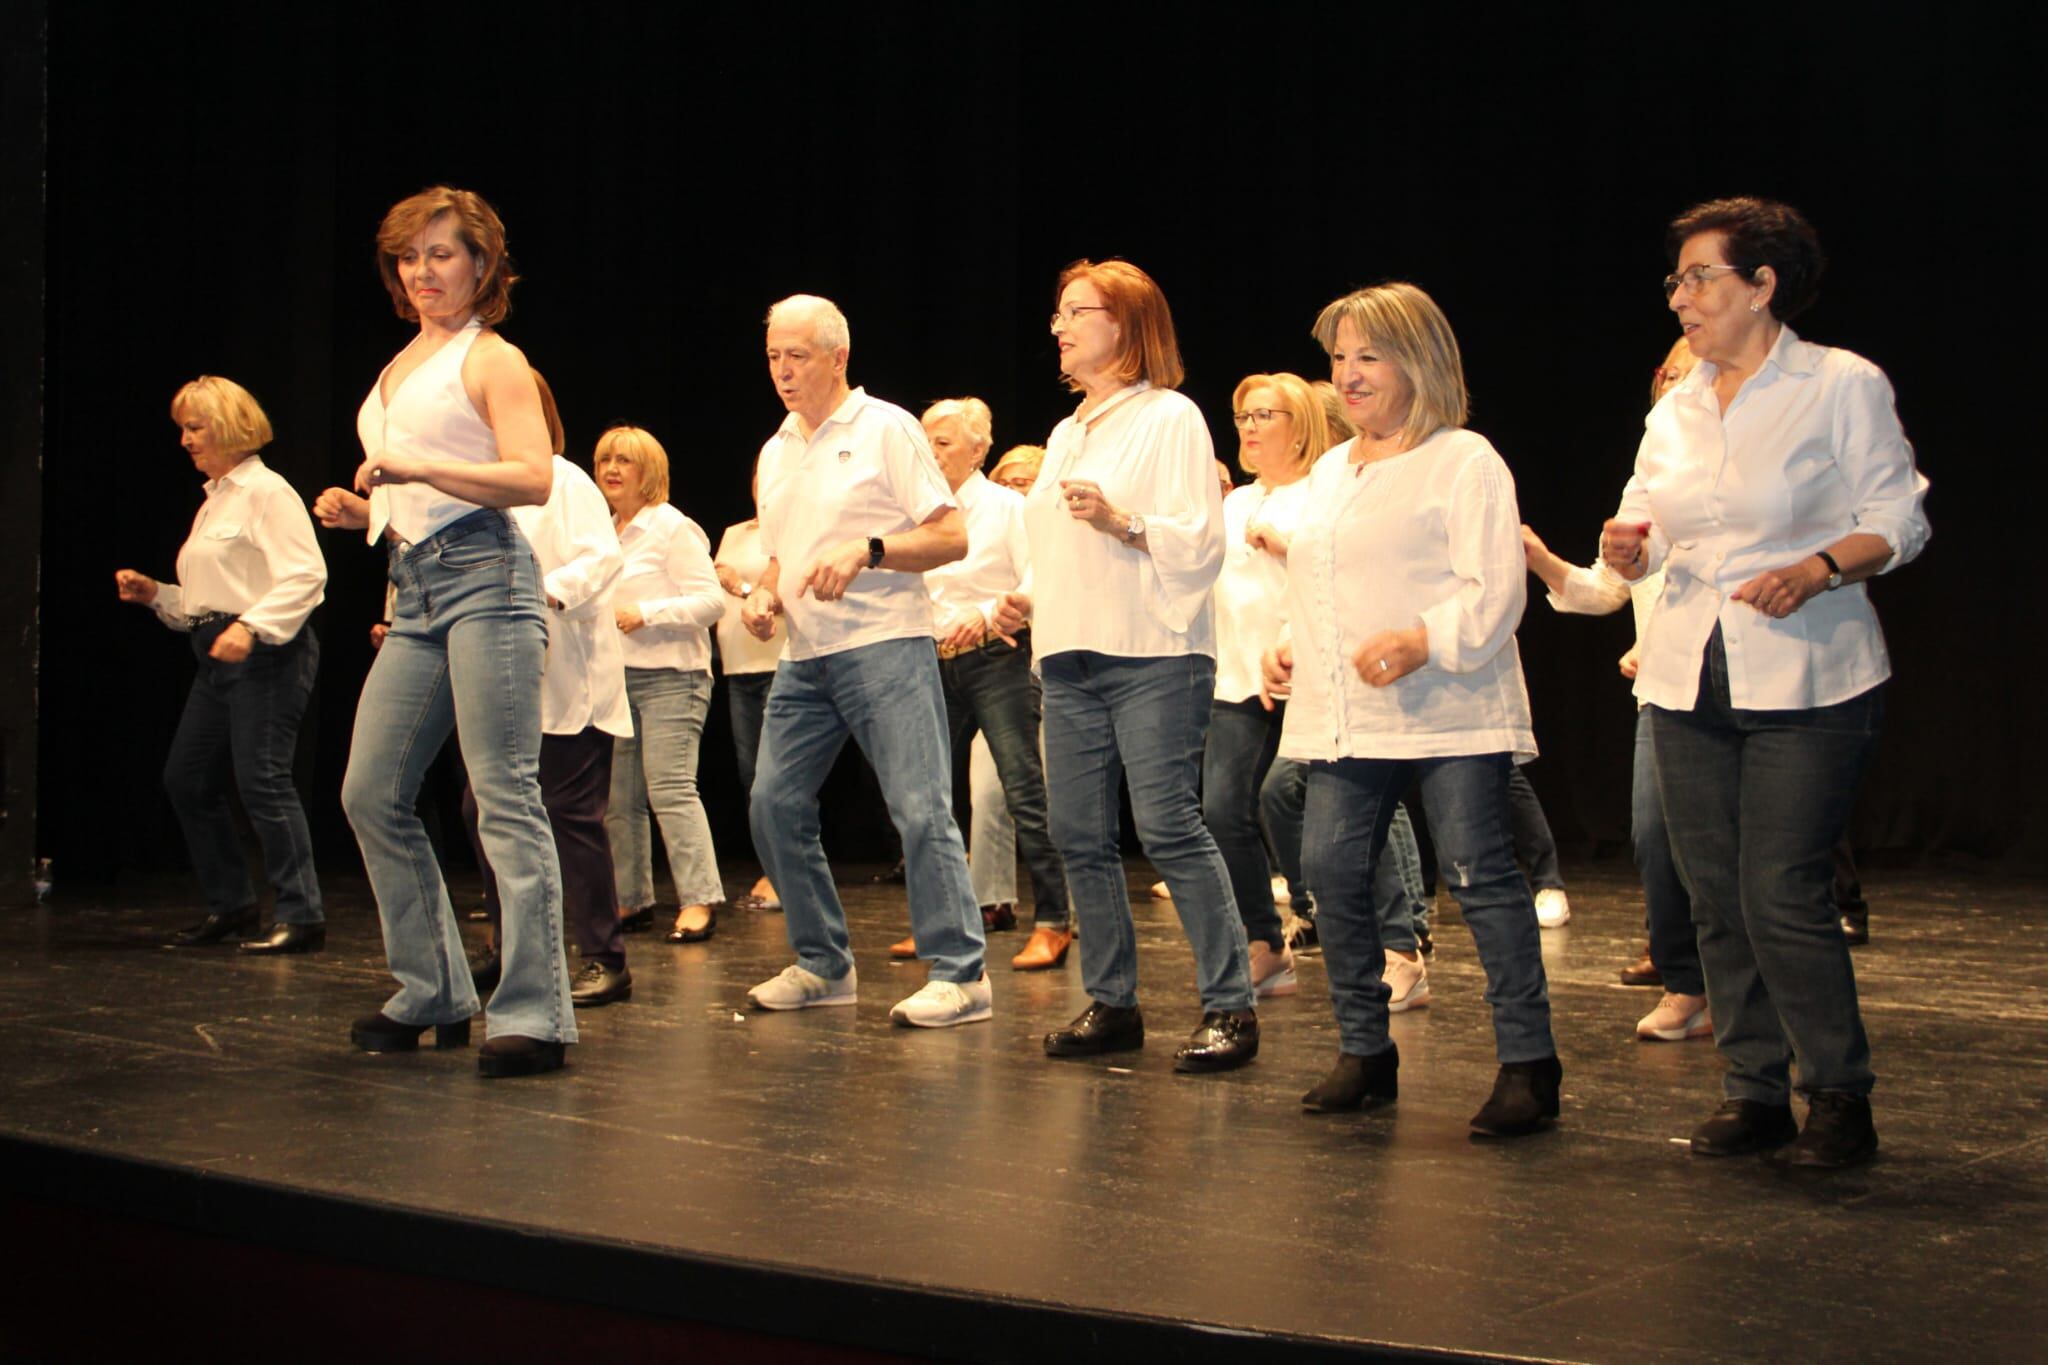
point(481, 231)
point(1146, 346)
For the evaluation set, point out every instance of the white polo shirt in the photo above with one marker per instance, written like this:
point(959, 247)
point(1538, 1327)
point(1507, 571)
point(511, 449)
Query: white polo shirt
point(998, 553)
point(866, 471)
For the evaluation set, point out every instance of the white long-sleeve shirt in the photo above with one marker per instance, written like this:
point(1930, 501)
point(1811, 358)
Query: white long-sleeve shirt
point(583, 680)
point(251, 553)
point(1809, 451)
point(1251, 590)
point(739, 549)
point(1149, 451)
point(1431, 535)
point(998, 556)
point(668, 576)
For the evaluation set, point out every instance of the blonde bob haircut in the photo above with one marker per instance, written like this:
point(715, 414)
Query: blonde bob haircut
point(1146, 346)
point(644, 453)
point(1304, 410)
point(1334, 415)
point(232, 413)
point(1404, 325)
point(481, 231)
point(1019, 458)
point(974, 418)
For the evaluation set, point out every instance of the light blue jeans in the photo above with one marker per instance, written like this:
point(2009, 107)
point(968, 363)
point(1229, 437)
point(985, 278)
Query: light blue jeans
point(465, 650)
point(1107, 717)
point(887, 696)
point(657, 767)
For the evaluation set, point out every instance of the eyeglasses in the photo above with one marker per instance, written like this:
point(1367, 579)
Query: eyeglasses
point(1692, 277)
point(1072, 314)
point(1258, 417)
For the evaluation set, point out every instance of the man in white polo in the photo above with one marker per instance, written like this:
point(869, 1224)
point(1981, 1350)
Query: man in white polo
point(854, 510)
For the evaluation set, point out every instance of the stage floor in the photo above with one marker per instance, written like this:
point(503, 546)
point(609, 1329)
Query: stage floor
point(689, 1131)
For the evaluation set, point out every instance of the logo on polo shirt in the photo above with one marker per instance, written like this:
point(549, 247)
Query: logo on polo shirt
point(845, 455)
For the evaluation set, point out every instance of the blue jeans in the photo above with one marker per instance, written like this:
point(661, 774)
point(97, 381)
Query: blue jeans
point(746, 702)
point(1243, 739)
point(1351, 803)
point(888, 698)
point(1399, 901)
point(1667, 910)
point(243, 720)
point(657, 766)
point(1535, 846)
point(991, 689)
point(465, 650)
point(1755, 801)
point(1108, 717)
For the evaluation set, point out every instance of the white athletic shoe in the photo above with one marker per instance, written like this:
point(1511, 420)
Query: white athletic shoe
point(942, 1004)
point(797, 989)
point(1272, 973)
point(1409, 981)
point(1552, 909)
point(1676, 1019)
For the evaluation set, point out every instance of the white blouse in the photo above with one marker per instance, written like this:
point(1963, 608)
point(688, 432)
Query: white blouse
point(1149, 451)
point(1429, 536)
point(998, 555)
point(1809, 451)
point(669, 577)
point(251, 553)
point(429, 415)
point(1253, 584)
point(739, 549)
point(583, 681)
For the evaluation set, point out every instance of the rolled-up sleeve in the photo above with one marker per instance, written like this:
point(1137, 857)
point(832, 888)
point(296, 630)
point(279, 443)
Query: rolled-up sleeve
point(1483, 530)
point(1887, 491)
point(698, 599)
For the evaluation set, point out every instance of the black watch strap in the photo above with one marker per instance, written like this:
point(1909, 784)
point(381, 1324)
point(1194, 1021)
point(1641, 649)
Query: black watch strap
point(875, 552)
point(1834, 570)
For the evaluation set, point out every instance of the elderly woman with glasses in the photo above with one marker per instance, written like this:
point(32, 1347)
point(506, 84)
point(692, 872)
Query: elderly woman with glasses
point(1771, 482)
point(1126, 531)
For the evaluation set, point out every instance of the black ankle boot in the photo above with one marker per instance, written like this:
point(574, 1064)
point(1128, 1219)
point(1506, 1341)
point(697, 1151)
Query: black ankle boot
point(1524, 1099)
point(1838, 1132)
point(379, 1032)
point(1357, 1083)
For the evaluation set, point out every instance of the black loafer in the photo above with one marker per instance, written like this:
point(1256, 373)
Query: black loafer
point(214, 928)
point(698, 935)
point(1740, 1126)
point(1524, 1099)
point(1100, 1028)
point(1223, 1041)
point(379, 1032)
point(638, 921)
point(288, 938)
point(597, 984)
point(1838, 1133)
point(1357, 1083)
point(512, 1055)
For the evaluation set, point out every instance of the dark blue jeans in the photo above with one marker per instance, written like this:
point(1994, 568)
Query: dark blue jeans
point(746, 699)
point(1667, 910)
point(1755, 801)
point(1244, 738)
point(1351, 803)
point(242, 720)
point(1535, 846)
point(991, 690)
point(1397, 892)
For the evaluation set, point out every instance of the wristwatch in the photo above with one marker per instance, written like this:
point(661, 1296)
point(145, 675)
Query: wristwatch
point(1834, 570)
point(875, 552)
point(1133, 529)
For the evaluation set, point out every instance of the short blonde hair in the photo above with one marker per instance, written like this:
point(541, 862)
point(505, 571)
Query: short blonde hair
point(1303, 408)
point(1405, 325)
point(231, 412)
point(973, 415)
point(643, 452)
point(1019, 457)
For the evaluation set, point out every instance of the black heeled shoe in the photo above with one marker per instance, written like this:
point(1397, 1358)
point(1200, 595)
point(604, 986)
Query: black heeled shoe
point(380, 1033)
point(511, 1054)
point(214, 928)
point(1357, 1083)
point(287, 938)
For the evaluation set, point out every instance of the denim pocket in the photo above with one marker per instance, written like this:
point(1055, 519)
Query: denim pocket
point(471, 553)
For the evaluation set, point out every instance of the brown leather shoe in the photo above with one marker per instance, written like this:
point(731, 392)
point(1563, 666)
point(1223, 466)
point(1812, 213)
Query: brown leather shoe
point(1047, 948)
point(904, 950)
point(1642, 972)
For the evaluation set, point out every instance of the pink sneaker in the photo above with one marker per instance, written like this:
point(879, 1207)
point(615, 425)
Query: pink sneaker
point(1676, 1019)
point(1409, 981)
point(1272, 973)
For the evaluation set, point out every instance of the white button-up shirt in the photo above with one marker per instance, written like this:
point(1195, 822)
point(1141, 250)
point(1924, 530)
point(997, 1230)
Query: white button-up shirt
point(1149, 451)
point(739, 549)
point(998, 556)
point(251, 553)
point(1809, 451)
point(583, 679)
point(669, 577)
point(1253, 584)
point(866, 471)
point(1431, 535)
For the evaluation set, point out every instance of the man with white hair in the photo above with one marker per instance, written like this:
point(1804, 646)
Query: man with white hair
point(853, 511)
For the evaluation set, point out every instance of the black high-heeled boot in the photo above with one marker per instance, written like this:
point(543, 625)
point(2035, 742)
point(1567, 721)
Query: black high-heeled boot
point(1357, 1083)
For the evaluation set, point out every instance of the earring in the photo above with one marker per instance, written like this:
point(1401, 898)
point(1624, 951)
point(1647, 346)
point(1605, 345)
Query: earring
point(1755, 307)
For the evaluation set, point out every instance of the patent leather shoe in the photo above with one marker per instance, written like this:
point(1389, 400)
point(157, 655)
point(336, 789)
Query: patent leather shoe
point(381, 1033)
point(510, 1054)
point(1100, 1028)
point(288, 938)
point(1357, 1083)
point(1524, 1099)
point(216, 927)
point(1740, 1126)
point(1223, 1041)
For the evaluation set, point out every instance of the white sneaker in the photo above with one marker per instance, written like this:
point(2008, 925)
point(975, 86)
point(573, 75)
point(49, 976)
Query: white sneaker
point(1676, 1019)
point(1409, 981)
point(1552, 909)
point(797, 989)
point(942, 1004)
point(1272, 973)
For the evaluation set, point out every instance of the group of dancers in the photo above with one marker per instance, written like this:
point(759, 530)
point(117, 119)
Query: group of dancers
point(1313, 647)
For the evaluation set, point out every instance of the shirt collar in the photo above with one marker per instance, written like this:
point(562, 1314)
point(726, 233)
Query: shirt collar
point(1116, 399)
point(1791, 355)
point(239, 476)
point(970, 488)
point(789, 430)
point(644, 518)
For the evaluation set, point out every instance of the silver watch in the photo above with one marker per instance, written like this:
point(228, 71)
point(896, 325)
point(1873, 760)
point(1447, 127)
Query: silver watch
point(1133, 529)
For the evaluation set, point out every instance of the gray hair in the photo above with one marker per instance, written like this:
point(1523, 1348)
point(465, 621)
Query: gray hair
point(974, 416)
point(828, 324)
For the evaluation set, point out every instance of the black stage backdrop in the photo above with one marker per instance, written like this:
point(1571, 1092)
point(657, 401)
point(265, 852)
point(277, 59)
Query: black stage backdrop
point(216, 175)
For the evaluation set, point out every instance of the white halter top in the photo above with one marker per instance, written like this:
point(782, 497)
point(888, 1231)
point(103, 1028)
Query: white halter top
point(429, 415)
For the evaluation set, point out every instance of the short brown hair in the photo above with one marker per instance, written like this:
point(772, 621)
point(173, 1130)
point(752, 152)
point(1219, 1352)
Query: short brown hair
point(231, 412)
point(480, 229)
point(1147, 348)
point(1760, 232)
point(1405, 325)
point(1303, 407)
point(644, 453)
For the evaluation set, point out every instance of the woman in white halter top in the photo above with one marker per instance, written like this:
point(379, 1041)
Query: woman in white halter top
point(452, 434)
